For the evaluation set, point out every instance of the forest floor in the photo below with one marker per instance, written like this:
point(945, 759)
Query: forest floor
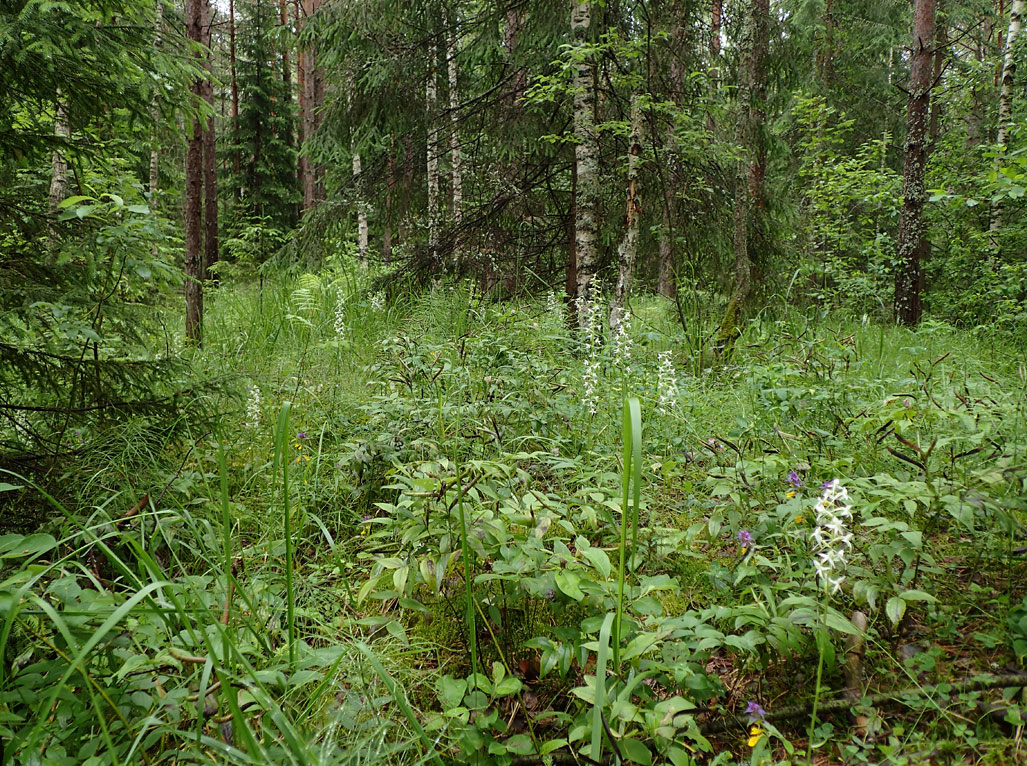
point(450, 570)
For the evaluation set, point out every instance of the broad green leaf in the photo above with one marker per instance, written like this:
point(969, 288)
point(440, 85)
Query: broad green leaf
point(895, 608)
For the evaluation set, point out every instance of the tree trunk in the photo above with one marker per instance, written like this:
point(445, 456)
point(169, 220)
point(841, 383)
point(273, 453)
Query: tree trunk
point(586, 155)
point(432, 151)
point(456, 214)
point(59, 163)
point(911, 244)
point(193, 223)
point(210, 189)
point(235, 89)
point(750, 169)
point(628, 249)
point(154, 181)
point(390, 186)
point(1005, 103)
point(312, 80)
point(825, 51)
point(361, 211)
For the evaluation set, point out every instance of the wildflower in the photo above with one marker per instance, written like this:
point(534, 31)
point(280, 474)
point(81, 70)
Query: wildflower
point(794, 479)
point(745, 538)
point(301, 435)
point(339, 324)
point(755, 711)
point(798, 519)
point(253, 408)
point(831, 541)
point(591, 325)
point(622, 345)
point(366, 528)
point(378, 301)
point(790, 494)
point(666, 383)
point(755, 735)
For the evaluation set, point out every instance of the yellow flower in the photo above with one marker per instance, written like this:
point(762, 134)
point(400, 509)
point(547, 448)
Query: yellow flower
point(297, 460)
point(798, 519)
point(790, 494)
point(755, 735)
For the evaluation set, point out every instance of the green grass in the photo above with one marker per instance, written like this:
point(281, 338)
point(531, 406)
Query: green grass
point(451, 504)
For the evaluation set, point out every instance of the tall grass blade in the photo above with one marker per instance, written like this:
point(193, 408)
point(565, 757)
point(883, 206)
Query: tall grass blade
point(401, 700)
point(282, 458)
point(596, 751)
point(632, 474)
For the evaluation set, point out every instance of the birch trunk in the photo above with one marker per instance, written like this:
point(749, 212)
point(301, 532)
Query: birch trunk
point(586, 157)
point(59, 163)
point(456, 214)
point(234, 85)
point(911, 244)
point(432, 152)
point(1005, 102)
point(361, 212)
point(627, 252)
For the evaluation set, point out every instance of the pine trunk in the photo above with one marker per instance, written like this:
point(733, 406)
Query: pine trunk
point(627, 252)
point(586, 155)
point(234, 85)
point(210, 189)
point(193, 212)
point(154, 180)
point(750, 169)
point(911, 240)
point(1005, 101)
point(456, 214)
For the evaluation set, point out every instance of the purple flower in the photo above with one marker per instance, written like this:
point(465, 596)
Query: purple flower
point(745, 538)
point(827, 484)
point(755, 711)
point(794, 479)
point(366, 517)
point(301, 435)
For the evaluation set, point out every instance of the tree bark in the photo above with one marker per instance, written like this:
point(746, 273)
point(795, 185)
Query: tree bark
point(911, 240)
point(456, 213)
point(390, 186)
point(825, 51)
point(59, 163)
point(361, 212)
point(750, 169)
point(193, 209)
point(586, 155)
point(234, 85)
point(432, 151)
point(210, 189)
point(1005, 103)
point(628, 250)
point(312, 79)
point(154, 180)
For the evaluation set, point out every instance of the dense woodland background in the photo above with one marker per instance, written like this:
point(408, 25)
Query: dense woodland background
point(515, 382)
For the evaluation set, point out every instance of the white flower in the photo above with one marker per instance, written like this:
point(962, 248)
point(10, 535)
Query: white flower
point(378, 301)
point(831, 540)
point(340, 317)
point(253, 408)
point(666, 383)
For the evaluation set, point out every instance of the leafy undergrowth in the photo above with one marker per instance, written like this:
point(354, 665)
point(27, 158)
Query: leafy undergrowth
point(461, 542)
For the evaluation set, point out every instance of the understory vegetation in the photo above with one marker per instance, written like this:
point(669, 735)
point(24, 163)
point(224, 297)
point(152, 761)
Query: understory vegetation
point(438, 528)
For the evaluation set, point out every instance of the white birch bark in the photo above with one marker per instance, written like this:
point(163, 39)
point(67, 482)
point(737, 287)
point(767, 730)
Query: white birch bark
point(361, 212)
point(628, 249)
point(59, 163)
point(585, 154)
point(431, 102)
point(1005, 98)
